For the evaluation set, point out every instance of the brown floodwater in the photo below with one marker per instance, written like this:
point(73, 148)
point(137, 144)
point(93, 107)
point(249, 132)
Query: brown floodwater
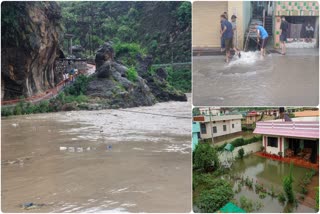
point(275, 80)
point(99, 161)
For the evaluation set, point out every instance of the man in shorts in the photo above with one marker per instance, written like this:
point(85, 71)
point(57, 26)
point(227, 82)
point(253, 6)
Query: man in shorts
point(309, 33)
point(263, 35)
point(227, 35)
point(284, 33)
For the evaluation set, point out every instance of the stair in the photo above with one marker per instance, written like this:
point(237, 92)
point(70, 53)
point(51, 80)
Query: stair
point(268, 25)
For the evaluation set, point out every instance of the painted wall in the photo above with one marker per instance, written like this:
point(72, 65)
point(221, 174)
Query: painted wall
point(292, 8)
point(206, 23)
point(273, 150)
point(195, 131)
point(219, 125)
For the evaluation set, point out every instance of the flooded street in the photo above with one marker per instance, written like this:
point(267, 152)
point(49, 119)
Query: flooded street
point(130, 160)
point(274, 80)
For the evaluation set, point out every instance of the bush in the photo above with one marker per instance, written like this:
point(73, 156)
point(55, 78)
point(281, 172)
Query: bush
point(281, 197)
point(132, 74)
point(79, 86)
point(249, 205)
point(241, 153)
point(287, 186)
point(215, 197)
point(6, 111)
point(205, 157)
point(180, 79)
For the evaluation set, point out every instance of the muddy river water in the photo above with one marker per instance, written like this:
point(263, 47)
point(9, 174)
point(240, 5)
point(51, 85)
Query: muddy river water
point(254, 81)
point(98, 161)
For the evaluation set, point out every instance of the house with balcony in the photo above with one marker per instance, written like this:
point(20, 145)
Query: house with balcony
point(217, 126)
point(297, 139)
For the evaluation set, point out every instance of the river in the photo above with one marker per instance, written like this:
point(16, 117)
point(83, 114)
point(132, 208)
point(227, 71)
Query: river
point(131, 160)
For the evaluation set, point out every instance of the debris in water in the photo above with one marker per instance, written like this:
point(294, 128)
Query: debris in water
point(79, 149)
point(30, 205)
point(71, 149)
point(63, 148)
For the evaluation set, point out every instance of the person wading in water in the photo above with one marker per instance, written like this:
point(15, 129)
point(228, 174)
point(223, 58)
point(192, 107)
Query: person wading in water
point(284, 33)
point(226, 34)
point(235, 38)
point(262, 33)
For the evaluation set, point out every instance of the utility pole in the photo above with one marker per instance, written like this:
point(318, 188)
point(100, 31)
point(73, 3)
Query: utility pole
point(211, 129)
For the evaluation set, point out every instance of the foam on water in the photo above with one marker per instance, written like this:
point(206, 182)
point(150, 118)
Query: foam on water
point(247, 58)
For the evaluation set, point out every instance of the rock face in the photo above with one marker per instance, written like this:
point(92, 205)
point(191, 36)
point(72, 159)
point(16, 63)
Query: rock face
point(112, 85)
point(31, 33)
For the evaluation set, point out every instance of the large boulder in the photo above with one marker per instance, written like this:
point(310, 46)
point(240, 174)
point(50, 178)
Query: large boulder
point(31, 33)
point(104, 54)
point(112, 85)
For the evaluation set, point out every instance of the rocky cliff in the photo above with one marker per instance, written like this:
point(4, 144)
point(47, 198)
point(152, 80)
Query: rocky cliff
point(31, 33)
point(117, 86)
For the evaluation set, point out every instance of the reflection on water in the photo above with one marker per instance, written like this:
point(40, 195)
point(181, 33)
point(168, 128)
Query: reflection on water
point(98, 161)
point(269, 173)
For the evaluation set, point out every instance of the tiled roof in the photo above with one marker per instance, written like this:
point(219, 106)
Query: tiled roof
point(299, 129)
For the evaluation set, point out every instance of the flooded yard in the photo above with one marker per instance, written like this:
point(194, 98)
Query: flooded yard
point(254, 81)
point(130, 160)
point(268, 173)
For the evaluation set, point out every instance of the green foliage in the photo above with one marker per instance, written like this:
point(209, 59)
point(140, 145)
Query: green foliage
point(217, 194)
point(184, 13)
point(281, 197)
point(180, 79)
point(205, 157)
point(127, 52)
point(6, 111)
point(241, 142)
point(287, 186)
point(79, 86)
point(250, 205)
point(132, 74)
point(195, 111)
point(241, 153)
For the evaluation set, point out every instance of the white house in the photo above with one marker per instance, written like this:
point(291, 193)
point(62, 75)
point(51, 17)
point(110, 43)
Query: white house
point(291, 138)
point(215, 111)
point(219, 125)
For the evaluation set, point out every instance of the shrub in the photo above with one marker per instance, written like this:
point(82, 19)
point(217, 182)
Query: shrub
point(249, 205)
point(215, 197)
point(132, 74)
point(79, 86)
point(287, 186)
point(205, 157)
point(241, 153)
point(281, 197)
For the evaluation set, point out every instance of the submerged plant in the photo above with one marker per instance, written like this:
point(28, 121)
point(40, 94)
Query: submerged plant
point(281, 197)
point(287, 185)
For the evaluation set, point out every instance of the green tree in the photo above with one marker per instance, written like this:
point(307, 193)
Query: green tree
point(205, 157)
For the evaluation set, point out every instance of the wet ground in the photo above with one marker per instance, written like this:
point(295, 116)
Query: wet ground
point(274, 80)
point(99, 161)
point(269, 173)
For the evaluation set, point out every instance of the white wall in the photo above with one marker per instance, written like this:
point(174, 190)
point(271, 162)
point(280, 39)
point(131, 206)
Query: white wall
point(274, 150)
point(219, 125)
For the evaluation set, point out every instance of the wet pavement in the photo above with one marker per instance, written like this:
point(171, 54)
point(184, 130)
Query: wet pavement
point(99, 161)
point(275, 80)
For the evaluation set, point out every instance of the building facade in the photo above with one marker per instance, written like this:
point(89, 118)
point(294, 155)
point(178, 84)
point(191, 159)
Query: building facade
point(290, 138)
point(298, 14)
point(206, 21)
point(217, 126)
